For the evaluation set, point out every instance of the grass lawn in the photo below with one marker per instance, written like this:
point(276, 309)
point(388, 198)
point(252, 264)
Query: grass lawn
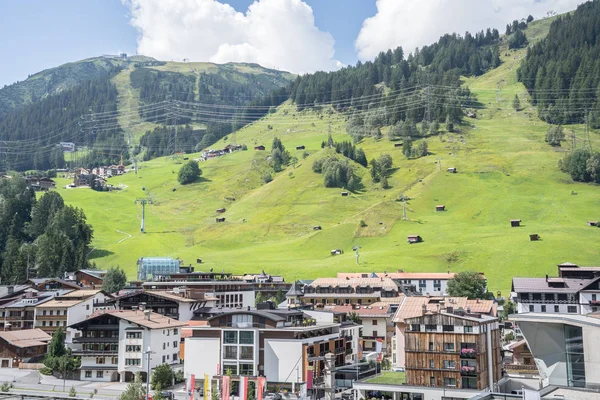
point(389, 377)
point(505, 171)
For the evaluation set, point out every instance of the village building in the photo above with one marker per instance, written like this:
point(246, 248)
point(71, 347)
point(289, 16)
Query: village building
point(114, 344)
point(576, 290)
point(67, 309)
point(90, 277)
point(176, 305)
point(48, 284)
point(19, 312)
point(358, 291)
point(415, 306)
point(269, 342)
point(18, 347)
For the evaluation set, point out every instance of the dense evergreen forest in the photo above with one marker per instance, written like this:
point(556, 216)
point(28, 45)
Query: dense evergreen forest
point(562, 71)
point(30, 135)
point(46, 235)
point(388, 82)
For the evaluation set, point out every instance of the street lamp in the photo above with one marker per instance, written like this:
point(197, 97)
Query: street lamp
point(148, 352)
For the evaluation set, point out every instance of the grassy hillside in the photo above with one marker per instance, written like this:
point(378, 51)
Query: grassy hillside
point(505, 171)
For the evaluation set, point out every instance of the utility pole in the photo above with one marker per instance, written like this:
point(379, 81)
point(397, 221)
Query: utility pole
point(404, 210)
point(143, 202)
point(147, 353)
point(356, 253)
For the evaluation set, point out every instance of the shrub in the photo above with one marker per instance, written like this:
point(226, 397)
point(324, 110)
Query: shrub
point(5, 387)
point(189, 172)
point(267, 178)
point(363, 224)
point(72, 392)
point(46, 371)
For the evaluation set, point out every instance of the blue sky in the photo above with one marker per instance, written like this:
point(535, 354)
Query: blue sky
point(43, 34)
point(295, 35)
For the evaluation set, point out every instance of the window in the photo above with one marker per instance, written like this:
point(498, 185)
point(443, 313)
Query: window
point(246, 352)
point(415, 327)
point(556, 309)
point(246, 369)
point(174, 357)
point(571, 309)
point(174, 343)
point(543, 308)
point(133, 348)
point(230, 367)
point(133, 335)
point(164, 359)
point(448, 328)
point(531, 308)
point(51, 312)
point(246, 337)
point(430, 328)
point(87, 306)
point(449, 364)
point(133, 361)
point(448, 346)
point(374, 322)
point(431, 364)
point(432, 381)
point(230, 337)
point(88, 374)
point(164, 346)
point(430, 346)
point(114, 360)
point(593, 297)
point(449, 381)
point(374, 333)
point(50, 323)
point(230, 352)
point(437, 283)
point(43, 323)
point(99, 374)
point(100, 360)
point(175, 331)
point(44, 312)
point(468, 329)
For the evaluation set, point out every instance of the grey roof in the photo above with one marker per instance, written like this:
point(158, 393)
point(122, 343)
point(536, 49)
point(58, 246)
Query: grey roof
point(98, 273)
point(261, 313)
point(295, 290)
point(541, 285)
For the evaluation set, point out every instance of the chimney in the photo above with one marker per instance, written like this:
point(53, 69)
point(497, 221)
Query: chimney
point(11, 289)
point(468, 310)
point(546, 277)
point(169, 321)
point(142, 306)
point(450, 310)
point(147, 314)
point(424, 309)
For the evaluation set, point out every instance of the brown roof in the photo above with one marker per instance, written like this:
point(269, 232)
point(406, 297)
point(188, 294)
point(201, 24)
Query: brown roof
point(26, 337)
point(187, 331)
point(81, 293)
point(413, 306)
point(156, 321)
point(402, 275)
point(54, 303)
point(158, 293)
point(373, 310)
point(385, 283)
point(541, 285)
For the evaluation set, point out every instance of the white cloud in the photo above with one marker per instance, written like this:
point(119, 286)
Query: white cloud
point(274, 33)
point(411, 24)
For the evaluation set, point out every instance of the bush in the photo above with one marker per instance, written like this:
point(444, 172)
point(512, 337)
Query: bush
point(244, 147)
point(189, 172)
point(46, 371)
point(267, 178)
point(72, 392)
point(163, 376)
point(555, 135)
point(363, 224)
point(5, 387)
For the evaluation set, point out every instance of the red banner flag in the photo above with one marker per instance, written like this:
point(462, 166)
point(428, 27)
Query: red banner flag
point(225, 388)
point(261, 382)
point(243, 388)
point(309, 377)
point(191, 386)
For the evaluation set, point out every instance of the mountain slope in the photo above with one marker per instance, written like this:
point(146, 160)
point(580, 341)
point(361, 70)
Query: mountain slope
point(505, 171)
point(54, 80)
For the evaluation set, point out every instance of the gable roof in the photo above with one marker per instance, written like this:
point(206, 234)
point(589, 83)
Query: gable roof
point(41, 281)
point(26, 337)
point(155, 321)
point(542, 285)
point(384, 283)
point(412, 306)
point(157, 293)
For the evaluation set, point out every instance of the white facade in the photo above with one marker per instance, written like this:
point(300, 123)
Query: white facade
point(135, 340)
point(432, 287)
point(210, 348)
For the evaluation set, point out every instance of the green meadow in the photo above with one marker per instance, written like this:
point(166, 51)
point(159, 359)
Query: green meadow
point(505, 171)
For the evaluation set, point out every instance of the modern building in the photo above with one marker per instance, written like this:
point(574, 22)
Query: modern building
point(563, 347)
point(21, 346)
point(576, 290)
point(67, 309)
point(19, 312)
point(285, 346)
point(414, 306)
point(114, 344)
point(360, 291)
point(453, 348)
point(149, 267)
point(178, 305)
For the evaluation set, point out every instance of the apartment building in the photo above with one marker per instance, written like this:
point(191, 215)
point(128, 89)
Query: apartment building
point(453, 348)
point(177, 305)
point(21, 346)
point(67, 309)
point(285, 346)
point(576, 290)
point(19, 312)
point(414, 306)
point(359, 291)
point(377, 324)
point(114, 344)
point(425, 283)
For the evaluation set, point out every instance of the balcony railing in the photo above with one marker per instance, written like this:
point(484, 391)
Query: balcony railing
point(93, 352)
point(52, 317)
point(95, 340)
